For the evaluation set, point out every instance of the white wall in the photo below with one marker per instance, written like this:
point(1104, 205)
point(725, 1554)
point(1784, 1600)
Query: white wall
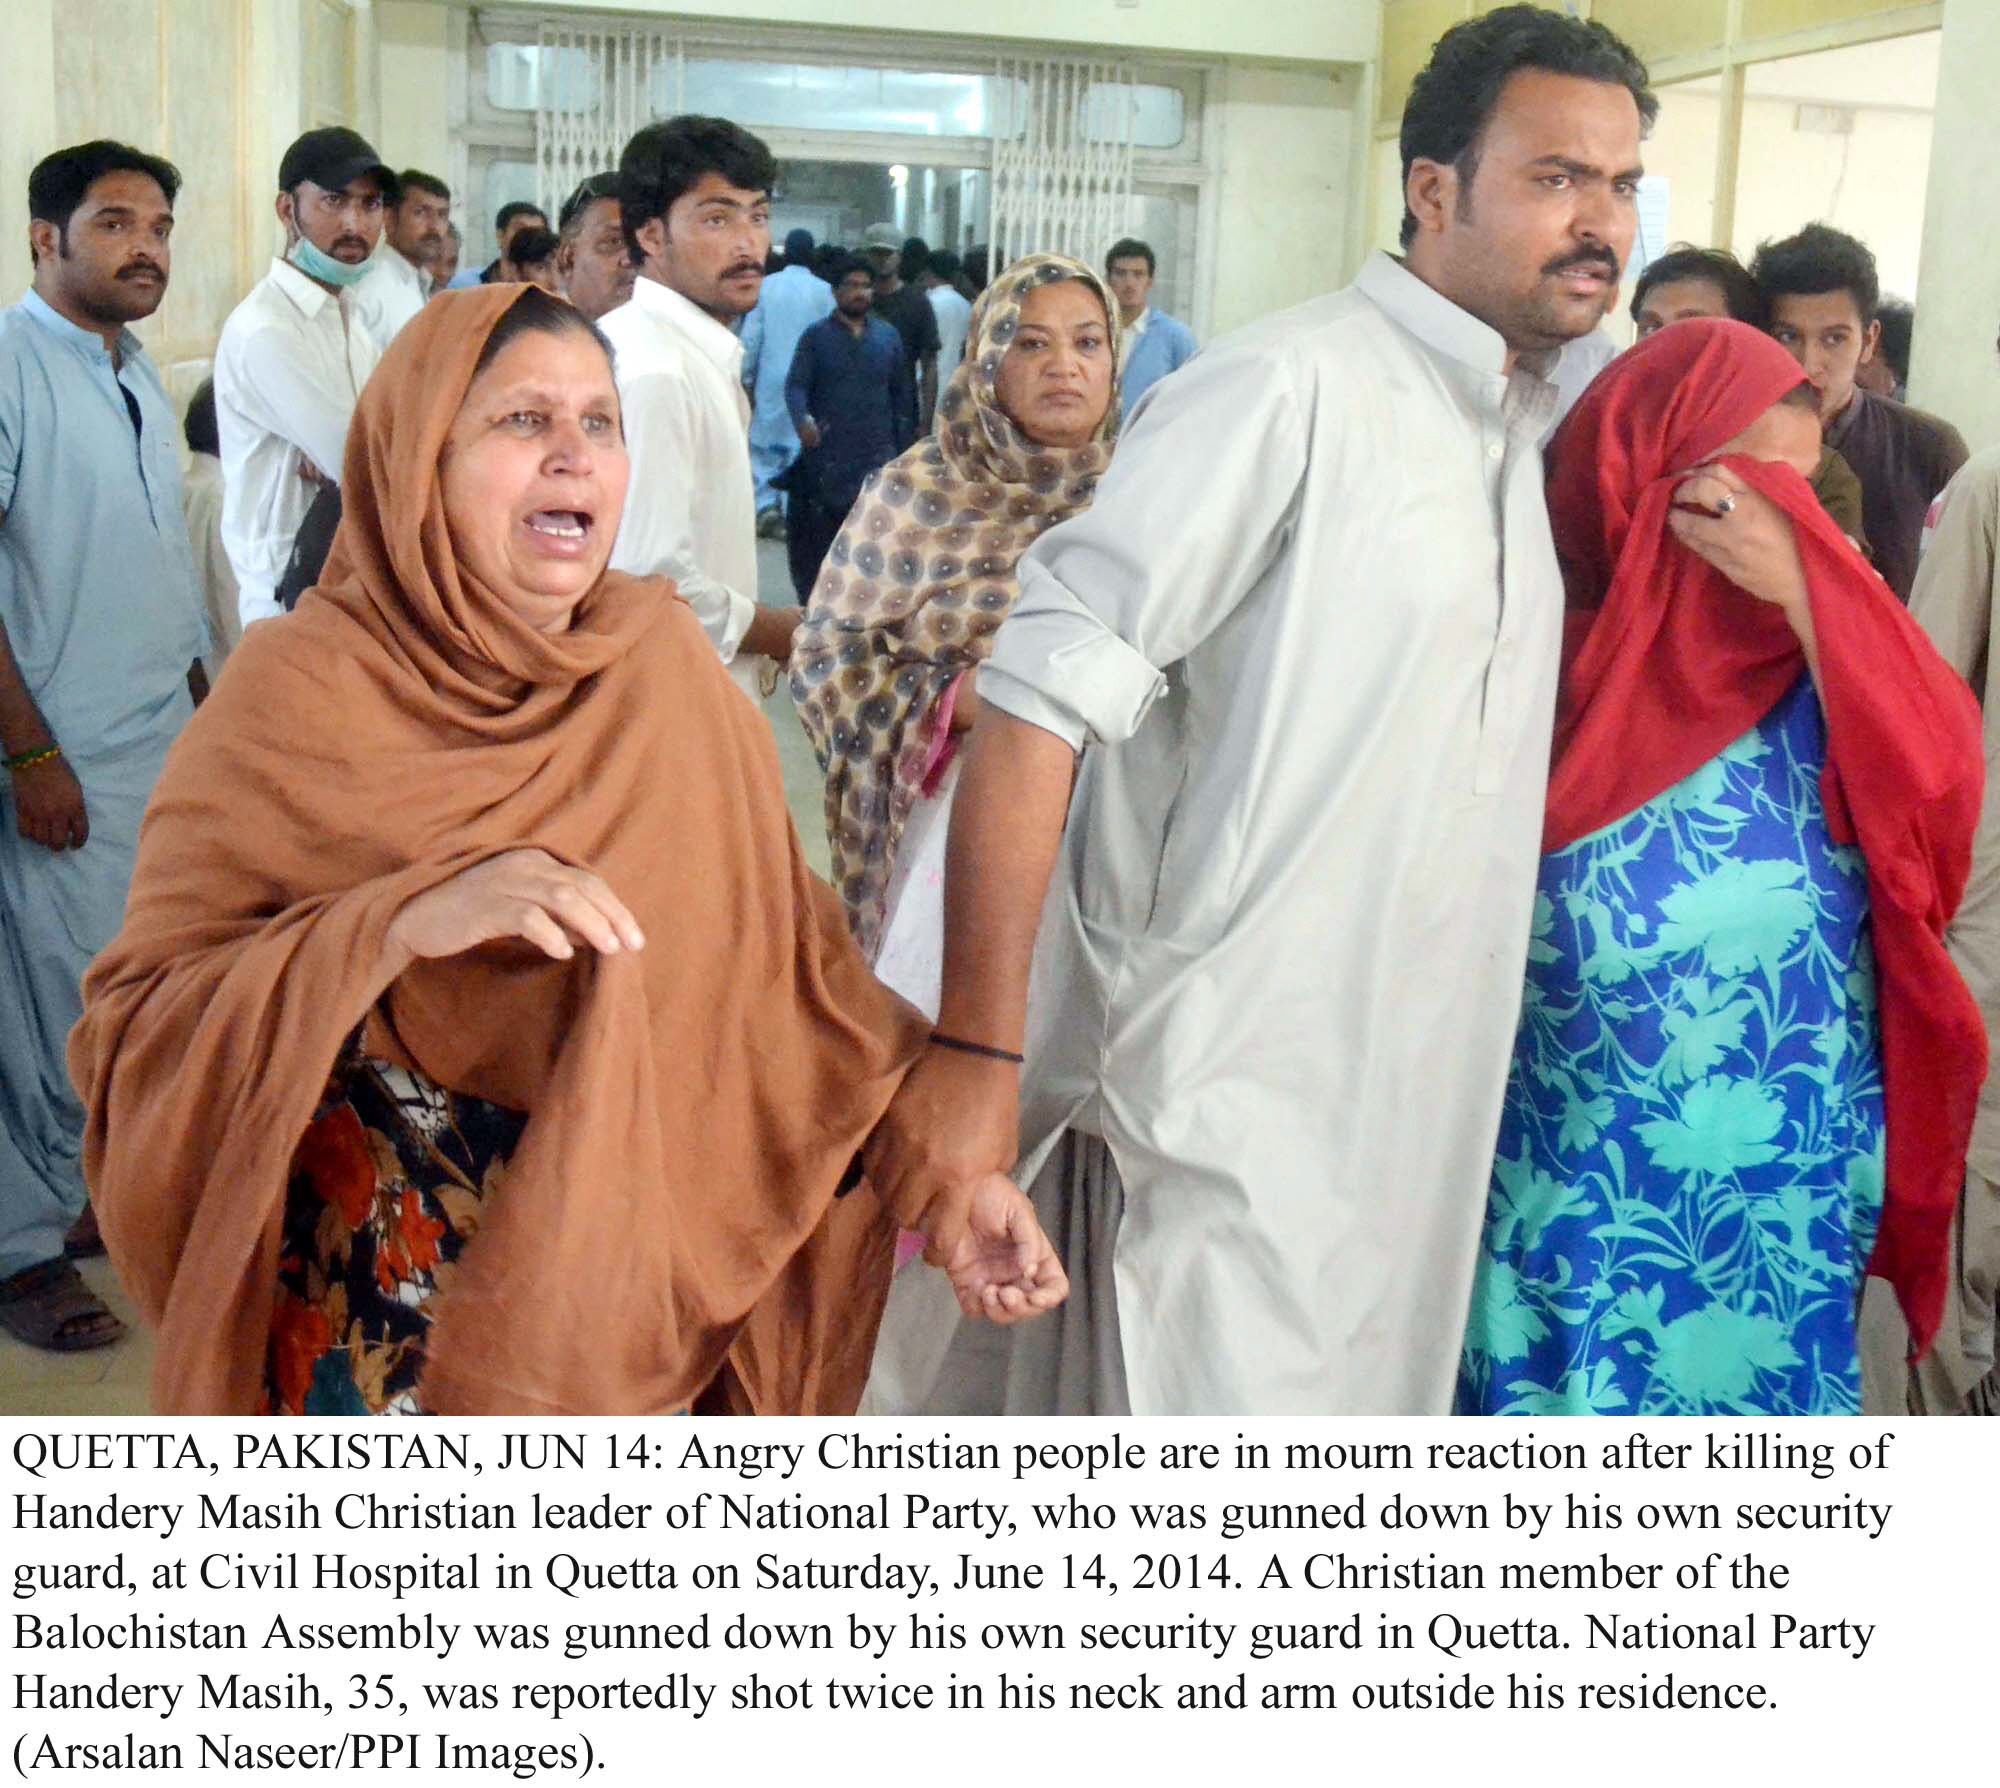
point(1290, 183)
point(415, 77)
point(1869, 183)
point(1954, 370)
point(217, 86)
point(1682, 148)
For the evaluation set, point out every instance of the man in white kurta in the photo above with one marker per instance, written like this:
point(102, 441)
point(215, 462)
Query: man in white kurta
point(1281, 965)
point(691, 515)
point(1306, 641)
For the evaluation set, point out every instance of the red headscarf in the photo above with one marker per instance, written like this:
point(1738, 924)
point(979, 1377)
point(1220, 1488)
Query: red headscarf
point(1665, 662)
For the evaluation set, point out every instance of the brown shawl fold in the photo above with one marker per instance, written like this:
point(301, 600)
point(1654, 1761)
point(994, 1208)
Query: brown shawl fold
point(918, 581)
point(669, 1211)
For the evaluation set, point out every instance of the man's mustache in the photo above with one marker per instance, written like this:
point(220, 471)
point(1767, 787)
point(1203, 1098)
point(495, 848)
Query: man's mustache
point(349, 242)
point(138, 269)
point(1589, 257)
point(744, 267)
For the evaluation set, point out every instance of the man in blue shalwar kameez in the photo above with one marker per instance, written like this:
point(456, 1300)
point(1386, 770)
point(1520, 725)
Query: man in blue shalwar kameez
point(790, 303)
point(100, 624)
point(855, 409)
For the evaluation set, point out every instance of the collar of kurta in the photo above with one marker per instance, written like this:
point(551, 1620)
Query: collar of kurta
point(86, 341)
point(715, 341)
point(1439, 324)
point(395, 261)
point(308, 294)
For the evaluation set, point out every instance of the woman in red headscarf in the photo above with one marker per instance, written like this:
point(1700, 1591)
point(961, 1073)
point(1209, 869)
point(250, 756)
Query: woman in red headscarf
point(1746, 1068)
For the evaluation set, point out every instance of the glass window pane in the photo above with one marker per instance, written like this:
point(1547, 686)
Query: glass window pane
point(520, 77)
point(811, 96)
point(506, 182)
point(902, 101)
point(1165, 223)
point(1156, 116)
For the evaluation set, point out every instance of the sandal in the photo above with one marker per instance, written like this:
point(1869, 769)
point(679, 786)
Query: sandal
point(83, 1241)
point(49, 1306)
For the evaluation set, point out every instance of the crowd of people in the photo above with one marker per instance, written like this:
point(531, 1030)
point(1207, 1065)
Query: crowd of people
point(1409, 860)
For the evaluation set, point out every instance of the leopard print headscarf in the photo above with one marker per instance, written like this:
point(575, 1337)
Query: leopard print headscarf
point(919, 580)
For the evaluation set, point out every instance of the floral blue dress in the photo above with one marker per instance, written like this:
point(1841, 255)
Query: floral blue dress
point(1690, 1164)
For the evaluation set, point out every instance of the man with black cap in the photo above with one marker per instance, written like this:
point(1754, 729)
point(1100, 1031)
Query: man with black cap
point(294, 355)
point(910, 310)
point(792, 300)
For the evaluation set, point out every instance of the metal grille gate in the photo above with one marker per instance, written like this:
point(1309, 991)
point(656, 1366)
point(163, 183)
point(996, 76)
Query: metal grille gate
point(1062, 142)
point(1062, 160)
point(597, 88)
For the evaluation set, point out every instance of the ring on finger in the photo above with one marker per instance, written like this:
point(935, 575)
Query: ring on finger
point(1725, 505)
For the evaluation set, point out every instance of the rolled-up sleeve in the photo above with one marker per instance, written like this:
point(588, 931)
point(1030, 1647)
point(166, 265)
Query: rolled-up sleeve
point(1172, 544)
point(1057, 666)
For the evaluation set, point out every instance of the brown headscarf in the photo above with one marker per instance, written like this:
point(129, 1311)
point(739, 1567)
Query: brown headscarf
point(669, 1212)
point(918, 582)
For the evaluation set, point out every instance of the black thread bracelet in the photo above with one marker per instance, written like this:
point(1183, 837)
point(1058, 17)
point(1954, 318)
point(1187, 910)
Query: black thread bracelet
point(980, 1049)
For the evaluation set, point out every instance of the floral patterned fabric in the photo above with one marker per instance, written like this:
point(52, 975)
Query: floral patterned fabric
point(1689, 1170)
point(385, 1192)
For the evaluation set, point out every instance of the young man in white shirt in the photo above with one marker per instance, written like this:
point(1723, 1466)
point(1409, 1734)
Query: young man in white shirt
point(413, 237)
point(696, 206)
point(952, 310)
point(293, 357)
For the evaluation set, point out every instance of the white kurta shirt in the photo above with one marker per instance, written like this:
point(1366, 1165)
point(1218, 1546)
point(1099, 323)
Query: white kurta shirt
point(288, 368)
point(394, 292)
point(1577, 366)
point(1311, 623)
point(691, 510)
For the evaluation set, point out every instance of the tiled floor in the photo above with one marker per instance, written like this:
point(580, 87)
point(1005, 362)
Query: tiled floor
point(113, 1380)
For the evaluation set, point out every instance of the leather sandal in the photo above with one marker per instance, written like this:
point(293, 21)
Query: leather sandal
point(49, 1306)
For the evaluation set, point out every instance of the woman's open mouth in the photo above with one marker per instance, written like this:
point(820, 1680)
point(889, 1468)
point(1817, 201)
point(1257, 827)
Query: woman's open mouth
point(560, 532)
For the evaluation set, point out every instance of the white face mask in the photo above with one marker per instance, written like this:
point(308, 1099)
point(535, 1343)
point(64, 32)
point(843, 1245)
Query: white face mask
point(315, 263)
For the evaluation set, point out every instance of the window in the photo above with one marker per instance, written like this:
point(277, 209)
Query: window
point(813, 96)
point(507, 182)
point(1158, 115)
point(523, 77)
point(821, 96)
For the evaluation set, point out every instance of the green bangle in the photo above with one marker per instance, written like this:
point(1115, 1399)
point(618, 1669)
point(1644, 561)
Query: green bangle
point(27, 760)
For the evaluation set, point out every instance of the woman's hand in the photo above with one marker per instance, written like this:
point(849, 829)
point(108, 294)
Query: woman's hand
point(1742, 533)
point(525, 894)
point(1001, 1265)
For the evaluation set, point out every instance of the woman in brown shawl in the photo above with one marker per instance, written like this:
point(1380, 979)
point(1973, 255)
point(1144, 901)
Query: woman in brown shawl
point(500, 812)
point(885, 667)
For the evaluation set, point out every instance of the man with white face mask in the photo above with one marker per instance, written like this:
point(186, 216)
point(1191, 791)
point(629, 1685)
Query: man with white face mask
point(294, 355)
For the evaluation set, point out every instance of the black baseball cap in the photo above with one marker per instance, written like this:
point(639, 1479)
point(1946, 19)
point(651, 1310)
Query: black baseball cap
point(331, 158)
